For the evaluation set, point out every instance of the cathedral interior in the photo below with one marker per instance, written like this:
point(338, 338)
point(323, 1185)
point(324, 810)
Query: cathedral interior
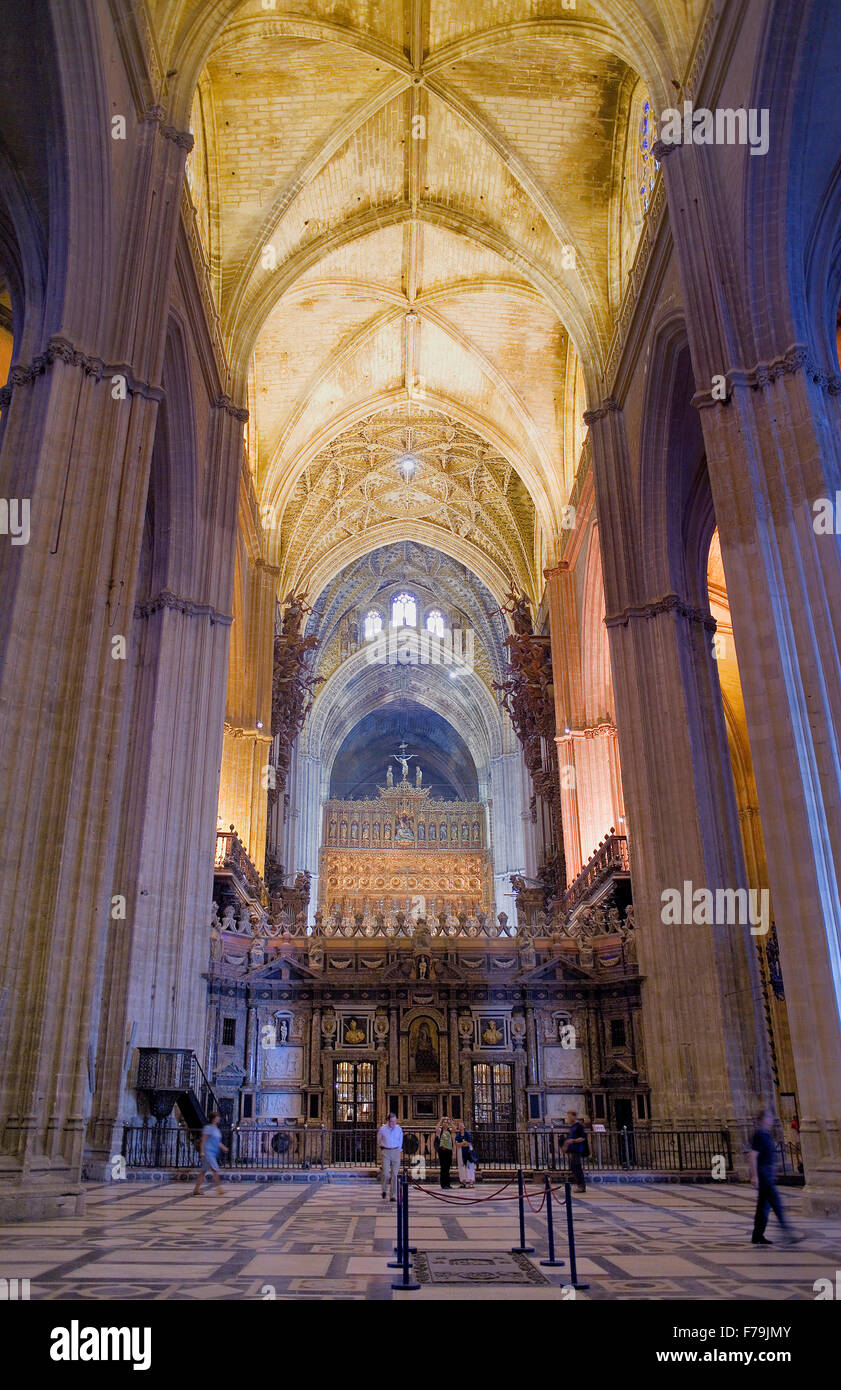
point(420, 675)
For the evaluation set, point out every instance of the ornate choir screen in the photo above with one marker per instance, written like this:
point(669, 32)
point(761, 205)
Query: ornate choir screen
point(404, 851)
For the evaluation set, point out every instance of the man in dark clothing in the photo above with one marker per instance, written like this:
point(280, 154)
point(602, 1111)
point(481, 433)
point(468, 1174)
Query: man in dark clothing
point(575, 1145)
point(763, 1165)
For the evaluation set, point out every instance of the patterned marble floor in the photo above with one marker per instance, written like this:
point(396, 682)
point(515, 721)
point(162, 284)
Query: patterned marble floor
point(313, 1240)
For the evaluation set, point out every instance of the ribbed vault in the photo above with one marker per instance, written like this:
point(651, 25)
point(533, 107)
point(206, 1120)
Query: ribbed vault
point(417, 205)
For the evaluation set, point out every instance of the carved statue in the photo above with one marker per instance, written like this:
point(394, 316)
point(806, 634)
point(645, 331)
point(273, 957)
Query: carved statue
point(528, 956)
point(404, 830)
point(215, 941)
point(256, 953)
point(586, 955)
point(418, 775)
point(292, 685)
point(229, 919)
point(389, 776)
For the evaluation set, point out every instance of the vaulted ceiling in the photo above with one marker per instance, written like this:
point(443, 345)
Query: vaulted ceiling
point(417, 205)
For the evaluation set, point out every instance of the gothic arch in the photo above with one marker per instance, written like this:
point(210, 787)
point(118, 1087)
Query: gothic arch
point(598, 689)
point(356, 688)
point(173, 480)
point(792, 199)
point(675, 503)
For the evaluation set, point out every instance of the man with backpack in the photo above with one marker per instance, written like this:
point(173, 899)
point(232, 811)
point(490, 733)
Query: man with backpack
point(577, 1147)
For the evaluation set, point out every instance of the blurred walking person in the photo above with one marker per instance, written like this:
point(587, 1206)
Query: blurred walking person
point(763, 1168)
point(211, 1145)
point(578, 1149)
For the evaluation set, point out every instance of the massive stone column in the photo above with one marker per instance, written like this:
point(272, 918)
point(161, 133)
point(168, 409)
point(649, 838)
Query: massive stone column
point(154, 989)
point(507, 825)
point(774, 452)
point(306, 840)
point(246, 754)
point(82, 455)
point(588, 752)
point(705, 1038)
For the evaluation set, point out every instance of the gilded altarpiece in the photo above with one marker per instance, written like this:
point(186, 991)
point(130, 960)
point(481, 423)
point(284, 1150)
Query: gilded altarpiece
point(385, 853)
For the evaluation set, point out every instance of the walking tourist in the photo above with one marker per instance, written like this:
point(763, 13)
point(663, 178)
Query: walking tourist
point(763, 1167)
point(211, 1144)
point(578, 1149)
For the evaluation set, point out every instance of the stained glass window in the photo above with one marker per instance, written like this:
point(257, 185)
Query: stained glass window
point(404, 611)
point(648, 165)
point(435, 622)
point(373, 624)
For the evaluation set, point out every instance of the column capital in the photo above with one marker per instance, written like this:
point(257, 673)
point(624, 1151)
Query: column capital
point(156, 115)
point(61, 349)
point(795, 358)
point(223, 402)
point(669, 603)
point(606, 407)
point(260, 563)
point(191, 609)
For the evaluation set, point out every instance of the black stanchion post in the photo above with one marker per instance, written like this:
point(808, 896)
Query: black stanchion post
point(398, 1249)
point(405, 1282)
point(550, 1226)
point(571, 1240)
point(522, 1248)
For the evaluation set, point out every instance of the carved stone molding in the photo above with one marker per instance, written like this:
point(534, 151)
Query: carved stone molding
point(604, 730)
point(237, 731)
point(669, 603)
point(62, 350)
point(608, 404)
point(166, 599)
point(795, 359)
point(225, 403)
point(182, 138)
point(260, 564)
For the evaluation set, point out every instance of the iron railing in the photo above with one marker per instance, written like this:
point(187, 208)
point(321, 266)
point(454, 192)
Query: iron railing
point(232, 855)
point(268, 1147)
point(611, 857)
point(175, 1069)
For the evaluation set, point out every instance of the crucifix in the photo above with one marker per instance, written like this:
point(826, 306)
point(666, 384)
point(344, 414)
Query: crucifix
point(403, 760)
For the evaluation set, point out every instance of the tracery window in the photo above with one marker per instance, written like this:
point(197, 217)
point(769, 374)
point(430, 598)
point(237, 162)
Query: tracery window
point(435, 622)
point(648, 166)
point(373, 624)
point(404, 611)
